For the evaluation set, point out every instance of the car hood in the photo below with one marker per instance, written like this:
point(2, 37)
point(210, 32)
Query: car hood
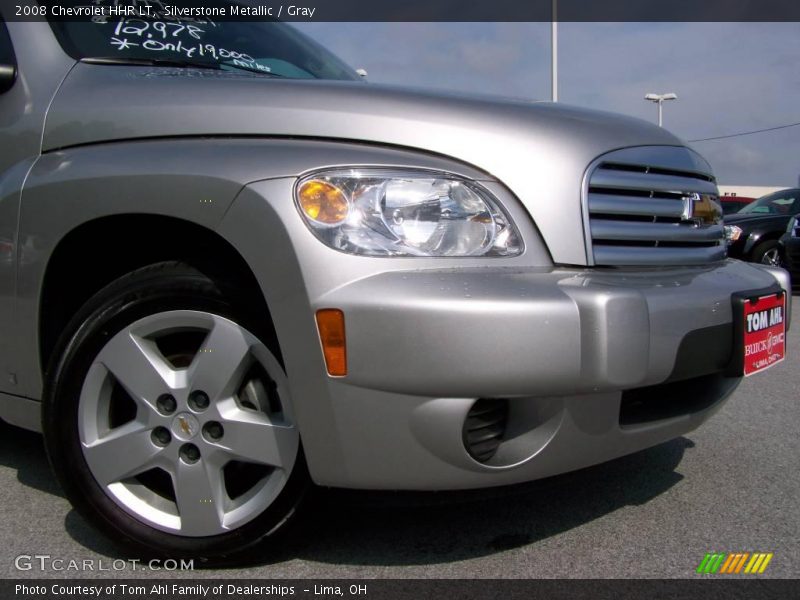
point(539, 150)
point(749, 220)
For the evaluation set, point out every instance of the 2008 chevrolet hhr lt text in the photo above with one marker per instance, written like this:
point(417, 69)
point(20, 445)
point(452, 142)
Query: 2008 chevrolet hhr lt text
point(230, 269)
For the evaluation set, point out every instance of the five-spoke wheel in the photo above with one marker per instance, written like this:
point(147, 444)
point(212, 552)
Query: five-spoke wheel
point(170, 420)
point(189, 414)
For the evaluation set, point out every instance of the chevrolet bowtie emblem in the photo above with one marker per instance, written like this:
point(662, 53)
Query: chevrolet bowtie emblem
point(185, 426)
point(701, 209)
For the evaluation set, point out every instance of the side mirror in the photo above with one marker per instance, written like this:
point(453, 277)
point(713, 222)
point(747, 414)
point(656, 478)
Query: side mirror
point(8, 75)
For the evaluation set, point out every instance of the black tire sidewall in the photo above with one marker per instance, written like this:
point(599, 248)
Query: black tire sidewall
point(136, 296)
point(762, 248)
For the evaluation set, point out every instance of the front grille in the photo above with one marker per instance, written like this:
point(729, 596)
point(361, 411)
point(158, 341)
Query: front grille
point(648, 213)
point(484, 427)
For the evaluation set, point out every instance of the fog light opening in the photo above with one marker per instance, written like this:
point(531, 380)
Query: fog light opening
point(484, 428)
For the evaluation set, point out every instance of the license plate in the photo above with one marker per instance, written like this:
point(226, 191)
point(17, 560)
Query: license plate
point(764, 329)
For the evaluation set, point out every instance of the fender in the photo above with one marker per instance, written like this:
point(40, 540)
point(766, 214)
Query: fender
point(194, 179)
point(759, 235)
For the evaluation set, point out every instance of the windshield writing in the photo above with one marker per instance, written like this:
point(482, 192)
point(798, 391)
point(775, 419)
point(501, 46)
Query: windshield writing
point(261, 46)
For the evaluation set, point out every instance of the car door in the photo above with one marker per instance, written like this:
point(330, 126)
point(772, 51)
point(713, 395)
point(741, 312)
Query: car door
point(40, 67)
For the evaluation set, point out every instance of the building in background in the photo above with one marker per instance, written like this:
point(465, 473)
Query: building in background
point(749, 191)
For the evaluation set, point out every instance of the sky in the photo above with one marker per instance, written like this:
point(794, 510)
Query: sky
point(729, 77)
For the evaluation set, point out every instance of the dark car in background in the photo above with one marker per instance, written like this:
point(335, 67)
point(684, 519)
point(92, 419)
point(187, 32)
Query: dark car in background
point(733, 204)
point(790, 250)
point(754, 232)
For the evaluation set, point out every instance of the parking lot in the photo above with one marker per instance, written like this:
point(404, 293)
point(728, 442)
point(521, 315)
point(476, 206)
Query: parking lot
point(731, 486)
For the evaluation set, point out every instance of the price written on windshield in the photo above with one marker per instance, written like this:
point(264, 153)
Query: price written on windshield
point(178, 38)
point(162, 29)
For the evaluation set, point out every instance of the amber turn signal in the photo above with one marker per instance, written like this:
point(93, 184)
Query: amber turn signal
point(323, 202)
point(330, 322)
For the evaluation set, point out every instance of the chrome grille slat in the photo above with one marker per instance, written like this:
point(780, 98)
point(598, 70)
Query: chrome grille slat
point(642, 256)
point(650, 206)
point(656, 232)
point(627, 205)
point(651, 182)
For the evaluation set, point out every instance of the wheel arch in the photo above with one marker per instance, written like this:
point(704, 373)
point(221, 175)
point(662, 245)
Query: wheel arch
point(109, 247)
point(766, 236)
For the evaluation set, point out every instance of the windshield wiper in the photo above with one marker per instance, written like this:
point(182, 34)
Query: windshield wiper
point(150, 62)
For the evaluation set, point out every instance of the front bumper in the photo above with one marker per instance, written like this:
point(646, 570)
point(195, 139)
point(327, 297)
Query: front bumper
point(575, 351)
point(595, 362)
point(740, 249)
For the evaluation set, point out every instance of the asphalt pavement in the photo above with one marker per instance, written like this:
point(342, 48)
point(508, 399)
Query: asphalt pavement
point(731, 486)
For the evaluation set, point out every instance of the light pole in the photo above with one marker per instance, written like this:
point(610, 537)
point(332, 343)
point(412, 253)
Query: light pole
point(659, 99)
point(554, 54)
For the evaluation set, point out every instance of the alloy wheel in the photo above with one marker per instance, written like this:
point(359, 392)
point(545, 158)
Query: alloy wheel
point(185, 422)
point(772, 257)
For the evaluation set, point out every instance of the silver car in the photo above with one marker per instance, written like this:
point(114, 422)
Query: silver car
point(232, 269)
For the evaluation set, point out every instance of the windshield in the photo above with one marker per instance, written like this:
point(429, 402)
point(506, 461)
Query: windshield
point(784, 202)
point(261, 46)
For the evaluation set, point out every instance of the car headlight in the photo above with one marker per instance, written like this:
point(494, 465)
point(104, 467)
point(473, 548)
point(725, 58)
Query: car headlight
point(732, 232)
point(380, 212)
point(794, 227)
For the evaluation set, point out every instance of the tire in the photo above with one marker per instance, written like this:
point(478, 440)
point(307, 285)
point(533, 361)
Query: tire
point(768, 253)
point(167, 418)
